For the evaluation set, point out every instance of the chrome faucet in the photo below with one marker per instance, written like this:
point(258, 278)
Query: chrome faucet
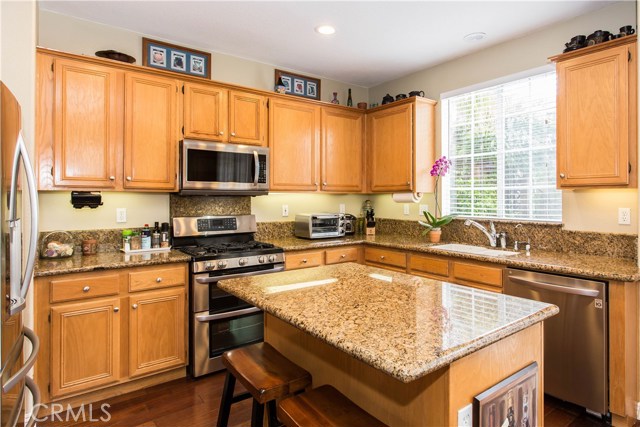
point(492, 235)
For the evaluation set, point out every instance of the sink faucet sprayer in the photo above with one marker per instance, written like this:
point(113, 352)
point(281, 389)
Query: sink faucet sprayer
point(491, 235)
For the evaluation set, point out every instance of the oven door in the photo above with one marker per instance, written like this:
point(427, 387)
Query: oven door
point(215, 333)
point(217, 168)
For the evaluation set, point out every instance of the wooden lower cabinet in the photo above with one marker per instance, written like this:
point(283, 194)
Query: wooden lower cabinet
point(385, 258)
point(98, 335)
point(477, 274)
point(318, 257)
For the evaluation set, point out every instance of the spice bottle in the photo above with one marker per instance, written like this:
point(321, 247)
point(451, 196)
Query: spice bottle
point(164, 235)
point(146, 237)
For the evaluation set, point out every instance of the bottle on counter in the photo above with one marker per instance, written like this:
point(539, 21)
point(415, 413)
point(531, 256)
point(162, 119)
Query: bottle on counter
point(164, 235)
point(146, 237)
point(155, 240)
point(349, 100)
point(371, 223)
point(136, 241)
point(126, 239)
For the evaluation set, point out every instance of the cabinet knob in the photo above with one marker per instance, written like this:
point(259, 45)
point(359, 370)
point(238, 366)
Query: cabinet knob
point(562, 175)
point(86, 289)
point(159, 279)
point(112, 178)
point(316, 183)
point(381, 256)
point(324, 183)
point(128, 178)
point(408, 183)
point(134, 306)
point(343, 256)
point(116, 309)
point(233, 134)
point(220, 133)
point(304, 261)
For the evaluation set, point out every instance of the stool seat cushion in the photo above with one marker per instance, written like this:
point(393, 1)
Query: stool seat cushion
point(264, 372)
point(324, 407)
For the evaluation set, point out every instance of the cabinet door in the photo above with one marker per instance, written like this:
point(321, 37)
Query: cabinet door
point(390, 133)
point(342, 134)
point(205, 112)
point(87, 125)
point(85, 346)
point(157, 322)
point(593, 119)
point(247, 118)
point(151, 139)
point(294, 139)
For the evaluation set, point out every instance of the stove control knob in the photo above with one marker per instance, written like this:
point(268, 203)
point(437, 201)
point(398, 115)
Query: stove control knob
point(222, 264)
point(272, 258)
point(261, 259)
point(209, 265)
point(242, 261)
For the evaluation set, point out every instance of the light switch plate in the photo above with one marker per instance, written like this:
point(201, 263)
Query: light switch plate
point(121, 214)
point(406, 208)
point(285, 210)
point(465, 416)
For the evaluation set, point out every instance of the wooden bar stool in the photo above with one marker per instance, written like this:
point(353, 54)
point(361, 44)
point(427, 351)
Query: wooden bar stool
point(266, 374)
point(324, 407)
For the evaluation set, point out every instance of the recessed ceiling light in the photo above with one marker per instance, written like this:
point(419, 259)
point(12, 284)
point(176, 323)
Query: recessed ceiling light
point(474, 37)
point(325, 29)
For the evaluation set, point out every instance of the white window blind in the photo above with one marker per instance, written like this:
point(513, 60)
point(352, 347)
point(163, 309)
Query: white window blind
point(502, 144)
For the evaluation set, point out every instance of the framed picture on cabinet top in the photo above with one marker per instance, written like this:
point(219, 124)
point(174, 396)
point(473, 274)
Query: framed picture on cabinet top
point(299, 85)
point(170, 57)
point(513, 401)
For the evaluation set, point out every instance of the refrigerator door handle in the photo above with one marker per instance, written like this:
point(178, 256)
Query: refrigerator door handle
point(22, 372)
point(35, 392)
point(19, 285)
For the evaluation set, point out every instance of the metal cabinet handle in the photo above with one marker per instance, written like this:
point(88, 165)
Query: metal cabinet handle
point(408, 183)
point(343, 256)
point(128, 178)
point(134, 306)
point(86, 289)
point(220, 133)
point(112, 178)
point(116, 309)
point(562, 175)
point(324, 183)
point(233, 134)
point(159, 279)
point(304, 261)
point(381, 256)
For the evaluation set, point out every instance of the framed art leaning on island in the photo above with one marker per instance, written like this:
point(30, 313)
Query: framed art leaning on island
point(170, 57)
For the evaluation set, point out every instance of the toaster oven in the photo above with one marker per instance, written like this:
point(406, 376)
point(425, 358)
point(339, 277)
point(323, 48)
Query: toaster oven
point(319, 225)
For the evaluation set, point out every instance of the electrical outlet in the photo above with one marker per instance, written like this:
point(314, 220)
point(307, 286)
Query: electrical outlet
point(423, 208)
point(624, 216)
point(406, 208)
point(285, 210)
point(121, 214)
point(342, 208)
point(465, 416)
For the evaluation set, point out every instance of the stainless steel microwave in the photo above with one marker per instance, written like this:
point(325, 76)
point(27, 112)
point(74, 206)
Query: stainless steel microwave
point(215, 168)
point(320, 225)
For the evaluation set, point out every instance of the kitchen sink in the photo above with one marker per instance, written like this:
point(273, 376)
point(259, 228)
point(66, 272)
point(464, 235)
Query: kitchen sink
point(475, 250)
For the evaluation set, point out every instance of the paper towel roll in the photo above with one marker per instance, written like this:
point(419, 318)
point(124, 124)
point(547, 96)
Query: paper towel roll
point(407, 197)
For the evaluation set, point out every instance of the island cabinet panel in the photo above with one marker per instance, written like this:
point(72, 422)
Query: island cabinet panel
point(205, 112)
point(393, 260)
point(294, 139)
point(247, 118)
point(151, 138)
point(87, 124)
point(596, 116)
point(86, 350)
point(342, 150)
point(156, 331)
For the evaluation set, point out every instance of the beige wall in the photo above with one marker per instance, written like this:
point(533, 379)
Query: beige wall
point(593, 210)
point(270, 208)
point(83, 37)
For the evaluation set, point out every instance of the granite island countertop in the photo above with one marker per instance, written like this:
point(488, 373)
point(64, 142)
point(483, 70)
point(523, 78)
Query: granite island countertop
point(590, 266)
point(405, 326)
point(79, 263)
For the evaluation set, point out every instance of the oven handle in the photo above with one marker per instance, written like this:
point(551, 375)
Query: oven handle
point(237, 313)
point(256, 171)
point(205, 280)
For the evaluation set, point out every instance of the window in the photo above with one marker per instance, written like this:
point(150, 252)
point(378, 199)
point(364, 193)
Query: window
point(502, 144)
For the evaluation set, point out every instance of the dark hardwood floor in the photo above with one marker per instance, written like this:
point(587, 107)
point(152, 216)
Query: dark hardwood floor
point(194, 403)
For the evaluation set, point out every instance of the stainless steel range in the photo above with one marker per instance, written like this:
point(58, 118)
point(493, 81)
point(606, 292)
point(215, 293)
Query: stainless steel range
point(221, 247)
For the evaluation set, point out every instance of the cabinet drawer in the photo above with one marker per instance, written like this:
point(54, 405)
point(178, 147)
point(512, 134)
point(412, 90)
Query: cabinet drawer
point(430, 265)
point(83, 288)
point(386, 257)
point(304, 260)
point(336, 256)
point(475, 273)
point(157, 278)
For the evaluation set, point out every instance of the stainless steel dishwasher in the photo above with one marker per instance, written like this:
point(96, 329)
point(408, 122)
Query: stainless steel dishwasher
point(575, 340)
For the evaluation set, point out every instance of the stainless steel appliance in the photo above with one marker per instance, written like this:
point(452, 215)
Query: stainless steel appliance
point(222, 247)
point(319, 225)
point(575, 341)
point(217, 168)
point(349, 224)
point(16, 273)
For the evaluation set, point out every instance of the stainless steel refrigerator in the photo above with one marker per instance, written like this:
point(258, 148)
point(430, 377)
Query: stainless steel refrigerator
point(16, 271)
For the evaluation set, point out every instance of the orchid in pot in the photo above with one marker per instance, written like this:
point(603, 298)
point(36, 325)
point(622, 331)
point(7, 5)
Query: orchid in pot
point(434, 223)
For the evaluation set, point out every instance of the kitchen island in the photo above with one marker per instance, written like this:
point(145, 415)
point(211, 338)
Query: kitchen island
point(409, 350)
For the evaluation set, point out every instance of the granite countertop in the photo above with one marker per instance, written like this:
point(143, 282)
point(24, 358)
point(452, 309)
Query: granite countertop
point(79, 263)
point(403, 325)
point(591, 266)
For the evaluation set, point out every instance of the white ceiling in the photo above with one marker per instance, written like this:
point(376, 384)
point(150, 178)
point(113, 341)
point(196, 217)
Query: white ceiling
point(375, 41)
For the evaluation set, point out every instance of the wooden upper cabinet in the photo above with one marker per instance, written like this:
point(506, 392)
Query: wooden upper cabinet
point(205, 112)
point(596, 116)
point(342, 150)
point(87, 125)
point(294, 139)
point(151, 137)
point(247, 118)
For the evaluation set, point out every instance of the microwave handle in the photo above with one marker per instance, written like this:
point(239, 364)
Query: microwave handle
point(256, 172)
